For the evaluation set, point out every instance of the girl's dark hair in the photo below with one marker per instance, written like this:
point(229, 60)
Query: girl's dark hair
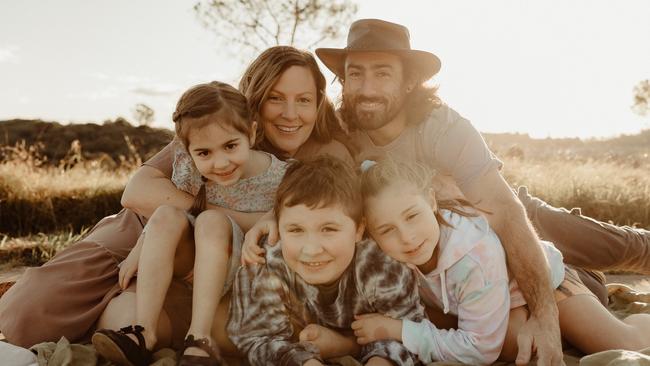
point(202, 104)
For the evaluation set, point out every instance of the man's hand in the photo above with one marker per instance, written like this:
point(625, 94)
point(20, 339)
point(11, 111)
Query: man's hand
point(373, 327)
point(329, 342)
point(251, 251)
point(541, 335)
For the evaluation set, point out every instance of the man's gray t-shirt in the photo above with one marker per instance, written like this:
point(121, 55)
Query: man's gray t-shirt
point(446, 142)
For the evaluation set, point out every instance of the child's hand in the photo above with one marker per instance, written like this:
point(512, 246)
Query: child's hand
point(330, 343)
point(251, 253)
point(128, 269)
point(374, 327)
point(312, 362)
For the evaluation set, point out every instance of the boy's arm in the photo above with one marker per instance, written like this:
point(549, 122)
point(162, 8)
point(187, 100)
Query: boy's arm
point(259, 323)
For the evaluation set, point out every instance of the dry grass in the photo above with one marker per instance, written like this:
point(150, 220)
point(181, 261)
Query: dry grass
point(20, 181)
point(34, 250)
point(607, 190)
point(36, 197)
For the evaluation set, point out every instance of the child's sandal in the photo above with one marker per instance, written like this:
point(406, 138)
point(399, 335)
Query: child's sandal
point(120, 349)
point(213, 358)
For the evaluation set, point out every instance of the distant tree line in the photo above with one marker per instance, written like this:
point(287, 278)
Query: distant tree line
point(117, 139)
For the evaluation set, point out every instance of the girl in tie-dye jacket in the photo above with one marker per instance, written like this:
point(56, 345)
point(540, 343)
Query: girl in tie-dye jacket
point(461, 268)
point(321, 272)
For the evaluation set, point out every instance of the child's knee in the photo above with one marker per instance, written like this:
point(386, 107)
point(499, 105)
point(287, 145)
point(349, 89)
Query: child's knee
point(213, 224)
point(212, 220)
point(167, 217)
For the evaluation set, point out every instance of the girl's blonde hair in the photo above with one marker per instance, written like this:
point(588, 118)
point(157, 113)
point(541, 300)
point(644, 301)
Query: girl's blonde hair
point(379, 176)
point(265, 71)
point(202, 104)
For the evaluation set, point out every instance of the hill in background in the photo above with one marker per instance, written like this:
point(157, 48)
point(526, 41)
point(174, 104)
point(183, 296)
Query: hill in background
point(108, 139)
point(625, 147)
point(116, 140)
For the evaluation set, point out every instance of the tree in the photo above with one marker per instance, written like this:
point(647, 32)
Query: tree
point(254, 25)
point(143, 114)
point(642, 97)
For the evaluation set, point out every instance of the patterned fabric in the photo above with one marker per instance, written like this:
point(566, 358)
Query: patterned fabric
point(254, 194)
point(470, 281)
point(269, 300)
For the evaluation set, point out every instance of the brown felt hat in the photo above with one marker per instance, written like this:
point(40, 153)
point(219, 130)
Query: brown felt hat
point(374, 35)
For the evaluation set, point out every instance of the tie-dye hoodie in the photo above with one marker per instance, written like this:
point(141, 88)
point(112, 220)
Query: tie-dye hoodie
point(471, 282)
point(269, 300)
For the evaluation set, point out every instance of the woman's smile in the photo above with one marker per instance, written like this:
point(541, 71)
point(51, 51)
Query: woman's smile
point(287, 129)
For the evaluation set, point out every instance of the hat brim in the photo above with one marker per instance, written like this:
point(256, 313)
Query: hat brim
point(427, 63)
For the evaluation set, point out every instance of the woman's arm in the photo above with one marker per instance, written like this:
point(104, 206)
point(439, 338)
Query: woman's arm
point(149, 188)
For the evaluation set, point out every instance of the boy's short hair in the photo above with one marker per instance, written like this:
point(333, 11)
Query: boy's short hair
point(321, 182)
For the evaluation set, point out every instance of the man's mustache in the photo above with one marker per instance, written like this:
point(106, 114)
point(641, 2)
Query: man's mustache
point(361, 99)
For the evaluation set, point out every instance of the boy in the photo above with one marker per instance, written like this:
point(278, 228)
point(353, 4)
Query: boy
point(322, 272)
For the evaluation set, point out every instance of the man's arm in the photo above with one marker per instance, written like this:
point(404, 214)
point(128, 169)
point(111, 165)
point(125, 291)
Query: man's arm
point(527, 263)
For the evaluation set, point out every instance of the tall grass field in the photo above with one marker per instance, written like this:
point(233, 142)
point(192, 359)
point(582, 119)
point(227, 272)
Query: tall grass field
point(49, 206)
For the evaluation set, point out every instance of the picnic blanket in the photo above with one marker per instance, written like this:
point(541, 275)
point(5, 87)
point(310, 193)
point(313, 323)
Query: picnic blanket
point(623, 301)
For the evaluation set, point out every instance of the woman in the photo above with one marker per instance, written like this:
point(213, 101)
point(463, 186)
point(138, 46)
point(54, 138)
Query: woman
point(68, 295)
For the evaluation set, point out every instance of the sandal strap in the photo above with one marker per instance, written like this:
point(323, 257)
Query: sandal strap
point(137, 332)
point(204, 344)
point(135, 352)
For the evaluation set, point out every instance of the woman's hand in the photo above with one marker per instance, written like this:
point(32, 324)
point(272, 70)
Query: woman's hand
point(374, 327)
point(251, 251)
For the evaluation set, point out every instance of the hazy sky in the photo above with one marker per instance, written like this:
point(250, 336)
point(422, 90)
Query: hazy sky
point(543, 67)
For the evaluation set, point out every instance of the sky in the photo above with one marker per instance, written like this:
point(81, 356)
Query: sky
point(548, 68)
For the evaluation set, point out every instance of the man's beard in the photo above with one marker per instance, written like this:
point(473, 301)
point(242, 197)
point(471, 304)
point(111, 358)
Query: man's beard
point(370, 120)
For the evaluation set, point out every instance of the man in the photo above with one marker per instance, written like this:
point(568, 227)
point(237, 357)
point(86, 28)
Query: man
point(390, 111)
